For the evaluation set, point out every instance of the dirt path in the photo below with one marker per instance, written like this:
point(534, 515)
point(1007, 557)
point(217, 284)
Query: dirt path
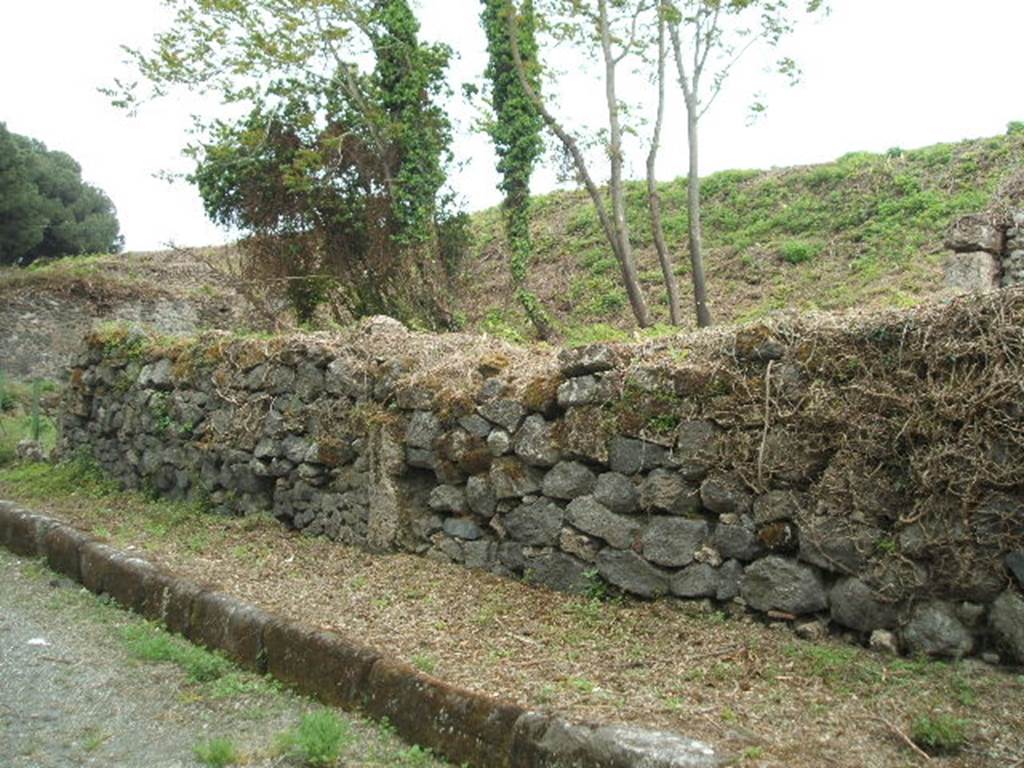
point(73, 691)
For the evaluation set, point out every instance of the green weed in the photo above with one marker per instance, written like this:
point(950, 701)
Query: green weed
point(217, 753)
point(150, 643)
point(939, 734)
point(319, 739)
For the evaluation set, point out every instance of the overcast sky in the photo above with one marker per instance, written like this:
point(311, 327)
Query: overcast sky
point(878, 74)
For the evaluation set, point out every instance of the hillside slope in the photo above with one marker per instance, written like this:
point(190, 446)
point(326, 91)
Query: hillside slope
point(863, 231)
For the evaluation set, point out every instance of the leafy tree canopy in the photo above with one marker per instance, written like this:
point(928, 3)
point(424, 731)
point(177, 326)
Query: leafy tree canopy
point(46, 210)
point(335, 170)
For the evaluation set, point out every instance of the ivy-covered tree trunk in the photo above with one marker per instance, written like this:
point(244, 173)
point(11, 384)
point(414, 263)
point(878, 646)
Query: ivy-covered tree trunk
point(516, 136)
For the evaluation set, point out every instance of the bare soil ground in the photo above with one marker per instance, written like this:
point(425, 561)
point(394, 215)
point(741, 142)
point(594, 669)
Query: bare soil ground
point(755, 691)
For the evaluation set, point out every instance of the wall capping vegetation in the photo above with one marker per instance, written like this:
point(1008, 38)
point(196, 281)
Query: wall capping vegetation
point(862, 471)
point(464, 726)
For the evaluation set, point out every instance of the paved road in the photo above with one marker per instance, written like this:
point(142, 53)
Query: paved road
point(73, 694)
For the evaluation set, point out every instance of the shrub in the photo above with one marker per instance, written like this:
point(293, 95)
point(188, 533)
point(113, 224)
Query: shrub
point(1015, 127)
point(939, 734)
point(798, 251)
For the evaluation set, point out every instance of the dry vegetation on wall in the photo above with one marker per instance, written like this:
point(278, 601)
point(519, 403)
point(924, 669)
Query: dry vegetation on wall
point(903, 428)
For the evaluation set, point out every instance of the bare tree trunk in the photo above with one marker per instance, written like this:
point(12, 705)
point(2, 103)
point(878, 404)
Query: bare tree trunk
point(700, 296)
point(627, 263)
point(653, 198)
point(580, 163)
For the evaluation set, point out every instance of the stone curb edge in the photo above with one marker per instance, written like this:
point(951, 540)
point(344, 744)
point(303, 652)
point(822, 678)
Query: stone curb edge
point(464, 726)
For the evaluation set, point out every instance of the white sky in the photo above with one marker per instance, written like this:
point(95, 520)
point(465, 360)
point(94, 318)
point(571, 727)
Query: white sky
point(878, 74)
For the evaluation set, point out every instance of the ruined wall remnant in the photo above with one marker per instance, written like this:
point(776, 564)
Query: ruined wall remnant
point(987, 253)
point(869, 472)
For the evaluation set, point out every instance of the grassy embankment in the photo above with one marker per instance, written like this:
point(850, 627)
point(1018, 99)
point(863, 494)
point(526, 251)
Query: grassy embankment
point(864, 231)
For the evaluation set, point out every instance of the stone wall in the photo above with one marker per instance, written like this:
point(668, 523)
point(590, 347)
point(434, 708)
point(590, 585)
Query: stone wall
point(987, 253)
point(792, 469)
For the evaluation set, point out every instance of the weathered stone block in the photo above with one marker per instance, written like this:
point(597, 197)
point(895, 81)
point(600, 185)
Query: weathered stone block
point(589, 516)
point(631, 573)
point(697, 580)
point(465, 726)
point(507, 414)
point(512, 478)
point(628, 456)
point(972, 272)
point(1006, 621)
point(857, 606)
point(323, 664)
point(568, 480)
point(672, 541)
point(535, 443)
point(778, 584)
point(538, 524)
point(973, 233)
point(666, 491)
point(934, 630)
point(558, 571)
point(617, 492)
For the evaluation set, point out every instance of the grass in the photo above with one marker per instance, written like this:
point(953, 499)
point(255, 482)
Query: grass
point(318, 740)
point(939, 734)
point(863, 231)
point(149, 642)
point(217, 753)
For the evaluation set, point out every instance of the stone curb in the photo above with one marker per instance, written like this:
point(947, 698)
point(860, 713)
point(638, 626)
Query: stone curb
point(464, 726)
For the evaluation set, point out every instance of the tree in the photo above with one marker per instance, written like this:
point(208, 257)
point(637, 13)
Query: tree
point(608, 29)
point(708, 38)
point(335, 173)
point(516, 133)
point(46, 210)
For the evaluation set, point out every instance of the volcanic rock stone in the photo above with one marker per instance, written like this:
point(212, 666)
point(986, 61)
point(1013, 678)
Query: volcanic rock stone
point(697, 580)
point(617, 492)
point(724, 495)
point(462, 528)
point(534, 443)
point(672, 541)
point(629, 456)
point(736, 542)
point(776, 583)
point(568, 480)
point(538, 523)
point(630, 572)
point(511, 478)
point(558, 571)
point(667, 491)
point(480, 496)
point(934, 630)
point(855, 605)
point(424, 427)
point(589, 516)
point(507, 414)
point(1006, 619)
point(447, 498)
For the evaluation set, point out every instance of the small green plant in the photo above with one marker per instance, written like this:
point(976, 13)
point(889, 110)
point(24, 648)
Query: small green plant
point(939, 734)
point(150, 643)
point(319, 739)
point(798, 251)
point(424, 662)
point(751, 753)
point(217, 753)
point(94, 739)
point(1015, 127)
point(597, 587)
